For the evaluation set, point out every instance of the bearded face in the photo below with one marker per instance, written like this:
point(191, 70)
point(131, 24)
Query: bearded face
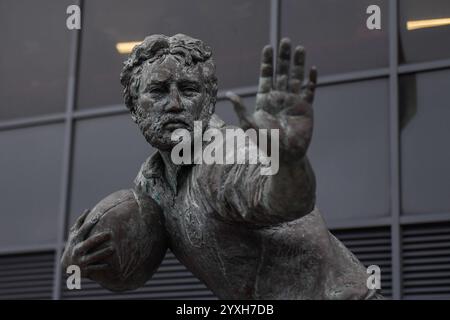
point(171, 96)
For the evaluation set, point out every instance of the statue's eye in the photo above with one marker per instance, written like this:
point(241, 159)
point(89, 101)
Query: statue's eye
point(189, 90)
point(157, 90)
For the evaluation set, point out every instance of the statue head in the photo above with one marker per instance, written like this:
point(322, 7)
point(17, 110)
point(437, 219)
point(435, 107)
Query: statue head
point(169, 82)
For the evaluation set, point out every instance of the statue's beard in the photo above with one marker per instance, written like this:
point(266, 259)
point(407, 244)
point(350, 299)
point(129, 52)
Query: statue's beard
point(154, 131)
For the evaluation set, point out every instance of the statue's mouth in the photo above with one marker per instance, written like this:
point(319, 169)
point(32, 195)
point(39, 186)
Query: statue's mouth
point(175, 124)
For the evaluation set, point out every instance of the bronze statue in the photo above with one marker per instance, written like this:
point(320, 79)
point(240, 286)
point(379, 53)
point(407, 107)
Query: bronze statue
point(245, 235)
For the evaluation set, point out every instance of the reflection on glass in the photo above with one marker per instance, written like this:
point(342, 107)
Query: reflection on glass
point(30, 163)
point(236, 30)
point(33, 57)
point(425, 152)
point(424, 30)
point(350, 150)
point(335, 33)
point(108, 153)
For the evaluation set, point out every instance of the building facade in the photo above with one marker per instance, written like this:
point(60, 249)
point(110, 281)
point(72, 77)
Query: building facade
point(380, 147)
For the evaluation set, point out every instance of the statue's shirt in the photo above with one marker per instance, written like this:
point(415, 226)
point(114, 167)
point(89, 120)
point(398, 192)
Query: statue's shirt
point(218, 229)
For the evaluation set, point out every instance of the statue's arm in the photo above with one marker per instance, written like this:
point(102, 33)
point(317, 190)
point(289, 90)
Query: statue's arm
point(283, 103)
point(239, 192)
point(291, 193)
point(119, 243)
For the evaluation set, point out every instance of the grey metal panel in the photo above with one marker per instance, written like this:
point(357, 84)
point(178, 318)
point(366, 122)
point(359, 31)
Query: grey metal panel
point(30, 162)
point(372, 246)
point(26, 276)
point(350, 150)
point(171, 281)
point(426, 261)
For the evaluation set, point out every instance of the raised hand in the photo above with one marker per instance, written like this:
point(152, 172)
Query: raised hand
point(283, 103)
point(84, 251)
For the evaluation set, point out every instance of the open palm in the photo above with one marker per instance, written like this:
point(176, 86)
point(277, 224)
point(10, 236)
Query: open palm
point(283, 103)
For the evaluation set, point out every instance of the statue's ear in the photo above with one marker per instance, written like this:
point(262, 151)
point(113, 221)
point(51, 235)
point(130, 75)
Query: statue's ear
point(133, 114)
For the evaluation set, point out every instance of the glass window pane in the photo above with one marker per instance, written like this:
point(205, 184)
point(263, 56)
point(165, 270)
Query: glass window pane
point(425, 152)
point(30, 162)
point(424, 30)
point(236, 31)
point(34, 57)
point(335, 34)
point(350, 150)
point(108, 154)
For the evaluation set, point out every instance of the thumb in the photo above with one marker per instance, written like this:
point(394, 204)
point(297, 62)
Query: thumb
point(245, 120)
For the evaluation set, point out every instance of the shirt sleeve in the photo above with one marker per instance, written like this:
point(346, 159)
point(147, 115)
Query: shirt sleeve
point(239, 193)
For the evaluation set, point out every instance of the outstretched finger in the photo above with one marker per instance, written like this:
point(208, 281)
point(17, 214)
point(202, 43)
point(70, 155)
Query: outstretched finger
point(92, 242)
point(245, 120)
point(298, 70)
point(283, 62)
point(310, 87)
point(266, 72)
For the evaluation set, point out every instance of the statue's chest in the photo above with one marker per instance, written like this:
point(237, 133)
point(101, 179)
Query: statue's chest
point(188, 218)
point(188, 225)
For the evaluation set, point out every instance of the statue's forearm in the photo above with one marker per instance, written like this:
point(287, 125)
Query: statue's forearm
point(290, 193)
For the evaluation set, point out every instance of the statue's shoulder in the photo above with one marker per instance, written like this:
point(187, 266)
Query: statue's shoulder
point(150, 168)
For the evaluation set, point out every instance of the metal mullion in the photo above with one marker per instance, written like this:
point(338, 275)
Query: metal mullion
point(424, 66)
point(32, 121)
point(100, 112)
point(394, 150)
point(67, 156)
point(355, 76)
point(275, 18)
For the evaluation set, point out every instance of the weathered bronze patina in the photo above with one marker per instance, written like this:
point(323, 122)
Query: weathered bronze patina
point(245, 235)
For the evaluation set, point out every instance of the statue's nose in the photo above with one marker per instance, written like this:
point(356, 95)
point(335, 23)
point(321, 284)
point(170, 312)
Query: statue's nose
point(174, 103)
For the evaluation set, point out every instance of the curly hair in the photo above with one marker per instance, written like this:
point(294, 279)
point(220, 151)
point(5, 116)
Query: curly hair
point(188, 50)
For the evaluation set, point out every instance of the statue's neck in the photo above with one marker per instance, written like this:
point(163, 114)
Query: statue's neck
point(171, 170)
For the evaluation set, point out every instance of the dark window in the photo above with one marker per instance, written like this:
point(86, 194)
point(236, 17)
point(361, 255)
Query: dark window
point(424, 30)
point(30, 163)
point(350, 150)
point(33, 58)
point(335, 33)
point(235, 30)
point(425, 151)
point(108, 154)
